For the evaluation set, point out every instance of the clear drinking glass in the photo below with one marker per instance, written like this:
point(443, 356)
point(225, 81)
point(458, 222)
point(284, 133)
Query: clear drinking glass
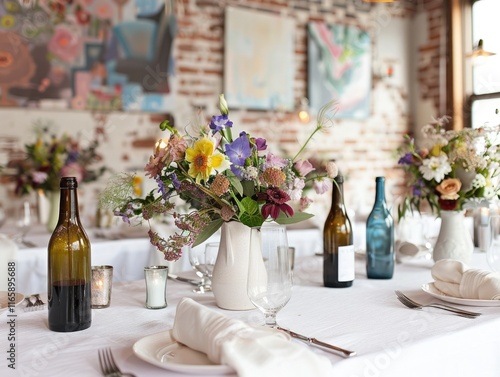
point(211, 252)
point(197, 260)
point(493, 251)
point(270, 273)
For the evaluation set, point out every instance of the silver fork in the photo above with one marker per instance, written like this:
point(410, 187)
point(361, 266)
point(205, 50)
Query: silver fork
point(108, 364)
point(405, 300)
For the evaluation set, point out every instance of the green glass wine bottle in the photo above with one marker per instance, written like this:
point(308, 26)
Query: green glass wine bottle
point(69, 266)
point(338, 248)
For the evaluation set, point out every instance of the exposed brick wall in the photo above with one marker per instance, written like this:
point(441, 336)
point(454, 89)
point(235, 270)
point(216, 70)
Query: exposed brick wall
point(362, 149)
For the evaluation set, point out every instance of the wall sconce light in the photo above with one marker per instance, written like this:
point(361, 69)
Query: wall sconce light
point(479, 53)
point(304, 110)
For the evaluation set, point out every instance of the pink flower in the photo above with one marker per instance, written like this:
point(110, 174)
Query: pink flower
point(304, 202)
point(296, 190)
point(39, 177)
point(65, 44)
point(322, 185)
point(273, 161)
point(303, 167)
point(73, 169)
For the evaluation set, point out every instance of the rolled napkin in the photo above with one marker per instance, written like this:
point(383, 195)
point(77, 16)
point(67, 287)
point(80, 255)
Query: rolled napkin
point(456, 279)
point(251, 351)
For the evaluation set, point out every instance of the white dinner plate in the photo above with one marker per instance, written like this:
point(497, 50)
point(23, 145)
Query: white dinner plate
point(163, 351)
point(4, 300)
point(433, 291)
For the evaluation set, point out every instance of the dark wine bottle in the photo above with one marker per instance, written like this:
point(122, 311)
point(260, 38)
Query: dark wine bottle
point(380, 237)
point(69, 266)
point(338, 248)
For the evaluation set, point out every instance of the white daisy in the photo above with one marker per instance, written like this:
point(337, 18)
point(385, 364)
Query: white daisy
point(435, 168)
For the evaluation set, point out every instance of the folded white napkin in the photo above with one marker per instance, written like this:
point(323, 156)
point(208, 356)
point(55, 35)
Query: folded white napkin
point(251, 351)
point(456, 279)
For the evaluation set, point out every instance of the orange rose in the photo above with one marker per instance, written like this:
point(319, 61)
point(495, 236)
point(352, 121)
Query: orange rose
point(449, 189)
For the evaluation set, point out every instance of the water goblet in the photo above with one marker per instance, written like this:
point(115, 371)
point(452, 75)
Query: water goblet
point(197, 260)
point(23, 224)
point(493, 251)
point(270, 274)
point(211, 252)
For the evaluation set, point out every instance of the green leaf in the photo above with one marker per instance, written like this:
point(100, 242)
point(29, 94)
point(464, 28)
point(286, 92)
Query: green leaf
point(248, 188)
point(208, 231)
point(235, 182)
point(297, 217)
point(250, 206)
point(255, 219)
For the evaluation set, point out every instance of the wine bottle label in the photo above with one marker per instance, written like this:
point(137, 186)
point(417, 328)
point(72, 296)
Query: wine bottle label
point(346, 263)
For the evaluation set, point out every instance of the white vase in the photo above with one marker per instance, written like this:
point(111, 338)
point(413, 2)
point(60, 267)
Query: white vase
point(230, 274)
point(54, 198)
point(454, 239)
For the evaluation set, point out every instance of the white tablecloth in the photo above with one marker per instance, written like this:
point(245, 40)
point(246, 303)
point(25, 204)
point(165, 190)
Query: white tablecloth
point(128, 256)
point(391, 340)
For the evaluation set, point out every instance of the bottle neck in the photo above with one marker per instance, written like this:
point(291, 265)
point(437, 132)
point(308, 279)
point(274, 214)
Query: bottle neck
point(68, 205)
point(380, 191)
point(338, 195)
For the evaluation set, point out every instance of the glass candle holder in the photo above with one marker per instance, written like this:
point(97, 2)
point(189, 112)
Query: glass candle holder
point(156, 286)
point(102, 281)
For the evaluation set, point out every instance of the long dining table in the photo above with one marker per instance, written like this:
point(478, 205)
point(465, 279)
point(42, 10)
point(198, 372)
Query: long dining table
point(389, 338)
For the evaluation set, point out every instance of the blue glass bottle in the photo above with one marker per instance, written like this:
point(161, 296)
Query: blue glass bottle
point(380, 237)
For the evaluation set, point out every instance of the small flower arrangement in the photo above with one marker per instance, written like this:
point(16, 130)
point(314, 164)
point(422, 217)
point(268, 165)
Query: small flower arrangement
point(454, 170)
point(222, 179)
point(51, 157)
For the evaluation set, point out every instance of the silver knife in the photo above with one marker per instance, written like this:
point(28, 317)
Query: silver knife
point(184, 280)
point(317, 342)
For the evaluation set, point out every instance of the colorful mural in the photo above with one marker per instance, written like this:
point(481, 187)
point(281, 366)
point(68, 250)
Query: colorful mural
point(339, 68)
point(86, 54)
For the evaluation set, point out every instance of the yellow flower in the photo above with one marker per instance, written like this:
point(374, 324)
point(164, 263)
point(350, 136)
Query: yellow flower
point(203, 158)
point(137, 186)
point(436, 150)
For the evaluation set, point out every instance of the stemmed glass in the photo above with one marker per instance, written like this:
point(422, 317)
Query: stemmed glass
point(493, 251)
point(23, 224)
point(202, 260)
point(270, 273)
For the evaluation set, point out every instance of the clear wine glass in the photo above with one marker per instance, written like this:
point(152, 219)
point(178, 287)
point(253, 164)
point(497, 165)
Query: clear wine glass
point(23, 224)
point(197, 260)
point(270, 273)
point(493, 251)
point(211, 252)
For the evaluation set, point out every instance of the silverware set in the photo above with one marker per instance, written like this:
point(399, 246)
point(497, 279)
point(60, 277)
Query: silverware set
point(408, 302)
point(109, 368)
point(34, 302)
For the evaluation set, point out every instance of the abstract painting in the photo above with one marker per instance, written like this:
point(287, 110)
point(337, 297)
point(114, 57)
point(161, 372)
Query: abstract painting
point(339, 68)
point(258, 60)
point(86, 54)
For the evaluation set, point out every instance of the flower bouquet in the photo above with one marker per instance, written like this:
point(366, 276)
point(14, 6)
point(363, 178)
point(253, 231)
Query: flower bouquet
point(453, 170)
point(221, 178)
point(49, 158)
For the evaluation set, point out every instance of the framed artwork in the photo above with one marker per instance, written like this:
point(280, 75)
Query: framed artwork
point(93, 54)
point(339, 68)
point(258, 60)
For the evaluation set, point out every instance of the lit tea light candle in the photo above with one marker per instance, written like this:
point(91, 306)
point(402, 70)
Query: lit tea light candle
point(102, 279)
point(156, 283)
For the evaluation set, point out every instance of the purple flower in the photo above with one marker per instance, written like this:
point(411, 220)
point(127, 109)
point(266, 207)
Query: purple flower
point(417, 188)
point(175, 181)
point(219, 122)
point(407, 159)
point(238, 151)
point(261, 144)
point(273, 161)
point(161, 187)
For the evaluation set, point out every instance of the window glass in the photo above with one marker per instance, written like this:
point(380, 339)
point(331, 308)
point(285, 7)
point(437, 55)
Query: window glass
point(485, 26)
point(483, 112)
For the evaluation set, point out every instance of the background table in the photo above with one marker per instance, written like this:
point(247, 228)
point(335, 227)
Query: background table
point(391, 340)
